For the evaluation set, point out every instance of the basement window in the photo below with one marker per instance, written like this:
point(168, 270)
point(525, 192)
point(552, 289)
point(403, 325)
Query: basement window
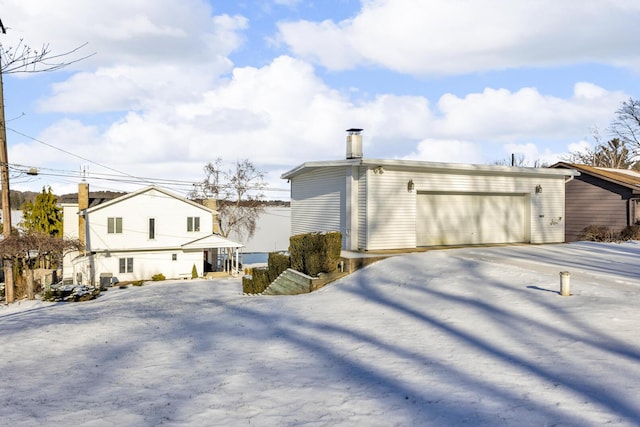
point(126, 265)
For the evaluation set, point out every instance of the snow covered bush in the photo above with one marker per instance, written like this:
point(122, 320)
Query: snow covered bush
point(60, 292)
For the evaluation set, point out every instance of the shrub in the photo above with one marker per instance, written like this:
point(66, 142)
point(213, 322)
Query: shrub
point(158, 277)
point(257, 282)
point(315, 253)
point(138, 282)
point(630, 232)
point(277, 263)
point(194, 272)
point(597, 233)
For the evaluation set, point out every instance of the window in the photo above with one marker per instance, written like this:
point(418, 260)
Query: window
point(174, 257)
point(152, 228)
point(114, 225)
point(126, 265)
point(193, 223)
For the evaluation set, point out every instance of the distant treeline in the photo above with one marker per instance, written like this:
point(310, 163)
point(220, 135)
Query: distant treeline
point(19, 198)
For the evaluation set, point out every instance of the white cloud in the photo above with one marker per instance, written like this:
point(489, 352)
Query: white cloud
point(282, 114)
point(172, 106)
point(533, 154)
point(580, 147)
point(499, 114)
point(457, 36)
point(447, 150)
point(140, 32)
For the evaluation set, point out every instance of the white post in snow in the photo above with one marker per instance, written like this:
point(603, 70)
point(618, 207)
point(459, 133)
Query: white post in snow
point(565, 283)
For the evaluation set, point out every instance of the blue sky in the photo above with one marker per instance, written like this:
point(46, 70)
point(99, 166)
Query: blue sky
point(173, 85)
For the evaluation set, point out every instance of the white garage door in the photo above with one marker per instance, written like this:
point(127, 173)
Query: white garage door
point(459, 219)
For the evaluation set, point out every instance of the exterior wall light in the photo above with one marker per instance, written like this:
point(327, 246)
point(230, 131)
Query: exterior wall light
point(538, 189)
point(410, 185)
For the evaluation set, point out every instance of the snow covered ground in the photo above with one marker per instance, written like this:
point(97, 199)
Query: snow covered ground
point(475, 336)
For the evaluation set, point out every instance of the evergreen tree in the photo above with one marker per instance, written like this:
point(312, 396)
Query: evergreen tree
point(43, 215)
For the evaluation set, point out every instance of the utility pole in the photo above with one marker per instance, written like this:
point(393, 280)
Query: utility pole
point(6, 200)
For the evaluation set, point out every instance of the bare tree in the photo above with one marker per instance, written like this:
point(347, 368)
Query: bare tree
point(626, 125)
point(15, 59)
point(612, 154)
point(238, 192)
point(35, 249)
point(518, 160)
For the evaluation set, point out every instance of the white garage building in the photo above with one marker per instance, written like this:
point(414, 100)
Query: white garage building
point(398, 204)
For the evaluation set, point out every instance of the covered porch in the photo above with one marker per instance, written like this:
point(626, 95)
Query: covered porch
point(220, 255)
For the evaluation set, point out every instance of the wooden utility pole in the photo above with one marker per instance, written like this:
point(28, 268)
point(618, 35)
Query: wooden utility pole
point(6, 200)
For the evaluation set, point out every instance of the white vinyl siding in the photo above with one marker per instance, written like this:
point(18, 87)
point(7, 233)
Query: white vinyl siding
point(391, 211)
point(152, 228)
point(362, 209)
point(318, 200)
point(169, 214)
point(386, 211)
point(548, 212)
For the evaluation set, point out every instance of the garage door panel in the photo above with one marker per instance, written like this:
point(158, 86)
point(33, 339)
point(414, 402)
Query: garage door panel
point(455, 219)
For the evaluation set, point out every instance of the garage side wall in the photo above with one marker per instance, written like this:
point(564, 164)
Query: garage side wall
point(548, 210)
point(391, 207)
point(390, 210)
point(318, 201)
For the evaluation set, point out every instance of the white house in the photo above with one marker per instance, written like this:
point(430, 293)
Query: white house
point(399, 204)
point(140, 234)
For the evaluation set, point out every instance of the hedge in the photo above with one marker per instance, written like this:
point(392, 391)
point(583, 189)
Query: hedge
point(260, 278)
point(277, 263)
point(315, 253)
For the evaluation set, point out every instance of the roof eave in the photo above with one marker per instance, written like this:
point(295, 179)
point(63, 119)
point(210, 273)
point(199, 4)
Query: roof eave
point(433, 166)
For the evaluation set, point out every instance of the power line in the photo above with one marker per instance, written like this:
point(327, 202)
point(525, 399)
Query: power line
point(121, 177)
point(73, 154)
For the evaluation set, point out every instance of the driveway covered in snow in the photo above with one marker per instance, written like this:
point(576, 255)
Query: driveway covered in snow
point(476, 336)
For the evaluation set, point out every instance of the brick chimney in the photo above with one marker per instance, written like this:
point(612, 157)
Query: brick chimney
point(83, 204)
point(212, 204)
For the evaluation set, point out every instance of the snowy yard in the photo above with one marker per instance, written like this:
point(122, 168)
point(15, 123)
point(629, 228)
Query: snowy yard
point(475, 336)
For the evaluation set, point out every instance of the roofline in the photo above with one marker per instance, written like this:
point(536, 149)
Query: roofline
point(430, 166)
point(635, 188)
point(232, 244)
point(144, 190)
